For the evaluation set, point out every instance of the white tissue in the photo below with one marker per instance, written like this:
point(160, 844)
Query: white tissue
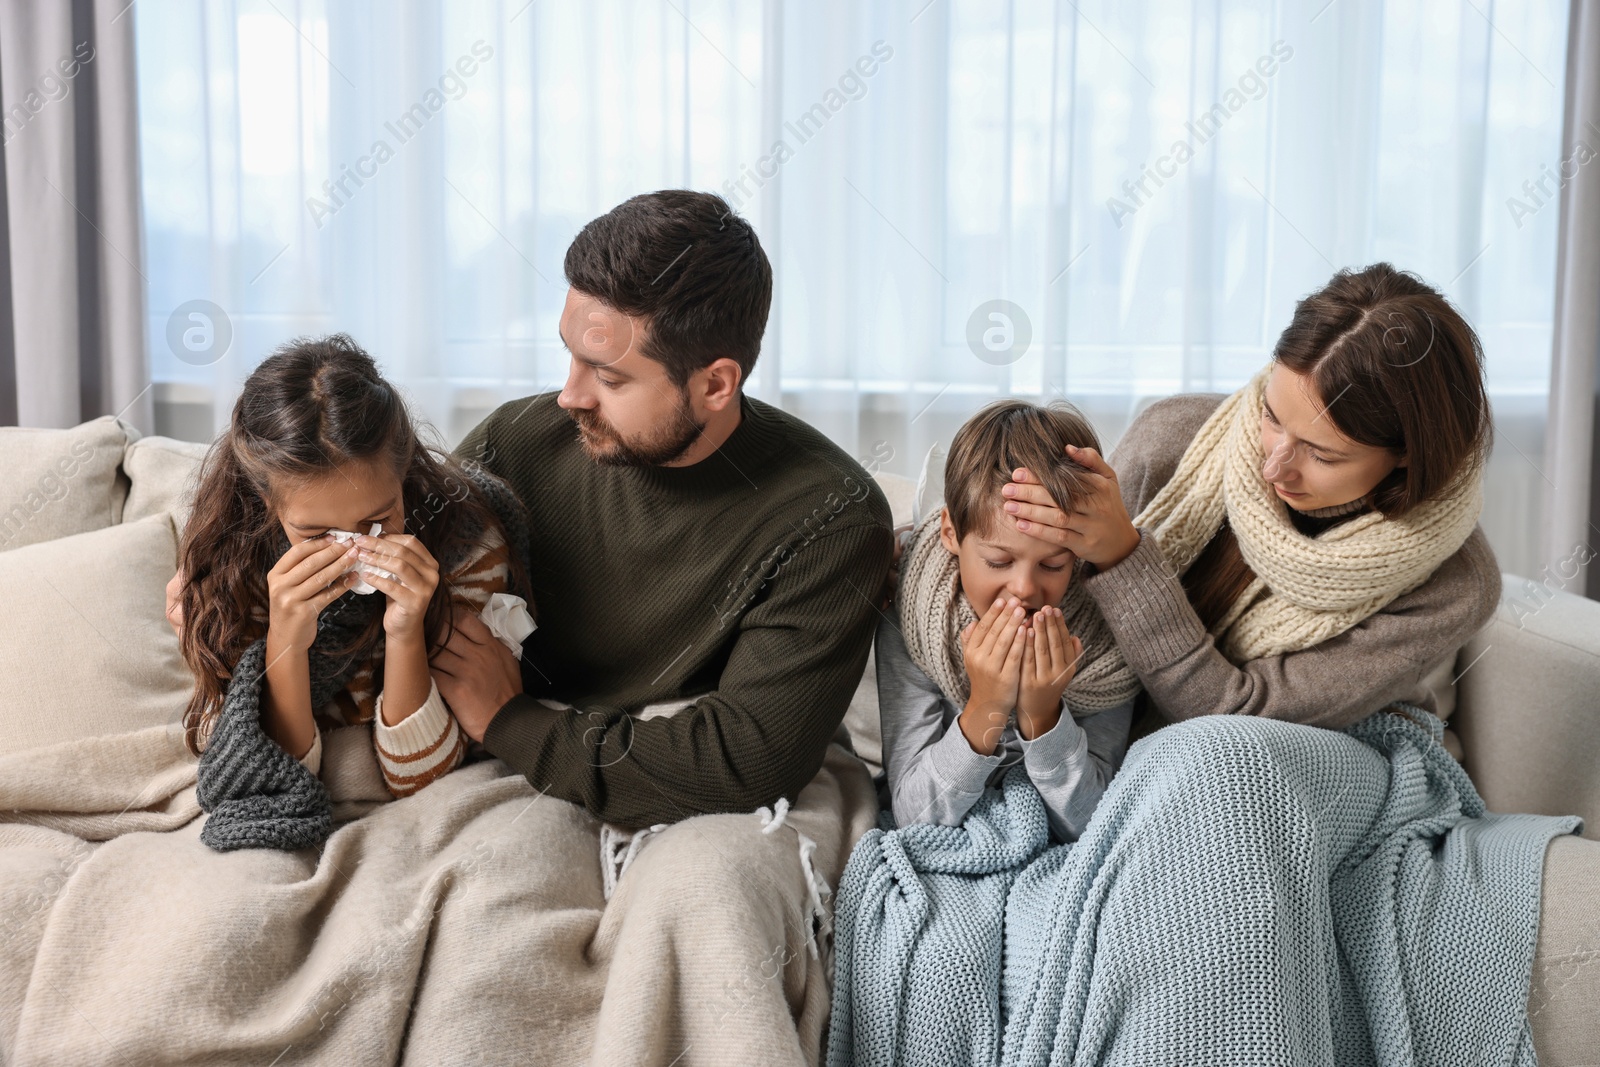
point(507, 618)
point(346, 536)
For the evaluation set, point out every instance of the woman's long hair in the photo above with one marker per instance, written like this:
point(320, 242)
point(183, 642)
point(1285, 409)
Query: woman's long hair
point(1398, 368)
point(310, 408)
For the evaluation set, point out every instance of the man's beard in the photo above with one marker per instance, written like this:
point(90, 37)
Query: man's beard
point(667, 443)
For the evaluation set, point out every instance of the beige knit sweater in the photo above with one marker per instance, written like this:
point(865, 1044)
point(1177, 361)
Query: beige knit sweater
point(1334, 684)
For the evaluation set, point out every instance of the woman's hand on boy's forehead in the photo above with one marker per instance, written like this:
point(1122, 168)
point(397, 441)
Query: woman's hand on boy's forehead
point(1097, 529)
point(1033, 510)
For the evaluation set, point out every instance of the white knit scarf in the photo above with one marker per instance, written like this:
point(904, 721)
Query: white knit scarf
point(934, 610)
point(1306, 589)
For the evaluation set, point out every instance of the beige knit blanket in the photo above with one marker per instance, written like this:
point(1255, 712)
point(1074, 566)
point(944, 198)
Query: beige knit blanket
point(934, 609)
point(1306, 589)
point(464, 924)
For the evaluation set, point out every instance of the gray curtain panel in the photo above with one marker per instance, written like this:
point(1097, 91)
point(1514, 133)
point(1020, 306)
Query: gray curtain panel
point(72, 325)
point(1571, 442)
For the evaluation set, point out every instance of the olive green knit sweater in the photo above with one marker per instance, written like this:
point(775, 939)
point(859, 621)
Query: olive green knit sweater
point(749, 580)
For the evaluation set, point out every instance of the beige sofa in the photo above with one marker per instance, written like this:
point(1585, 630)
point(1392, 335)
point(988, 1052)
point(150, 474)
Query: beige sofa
point(98, 507)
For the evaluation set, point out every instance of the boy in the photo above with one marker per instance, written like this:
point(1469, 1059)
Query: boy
point(994, 656)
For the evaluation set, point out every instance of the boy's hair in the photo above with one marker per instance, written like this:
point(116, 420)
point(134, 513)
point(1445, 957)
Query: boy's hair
point(686, 263)
point(1005, 435)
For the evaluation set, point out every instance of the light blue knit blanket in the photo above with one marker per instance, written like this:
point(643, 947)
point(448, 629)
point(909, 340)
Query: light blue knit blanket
point(1248, 892)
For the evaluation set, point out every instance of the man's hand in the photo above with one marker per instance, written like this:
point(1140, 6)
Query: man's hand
point(175, 604)
point(476, 675)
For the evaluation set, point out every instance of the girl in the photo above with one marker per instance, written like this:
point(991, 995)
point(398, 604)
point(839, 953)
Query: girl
point(281, 645)
point(1306, 549)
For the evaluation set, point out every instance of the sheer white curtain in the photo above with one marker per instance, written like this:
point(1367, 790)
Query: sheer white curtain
point(1149, 185)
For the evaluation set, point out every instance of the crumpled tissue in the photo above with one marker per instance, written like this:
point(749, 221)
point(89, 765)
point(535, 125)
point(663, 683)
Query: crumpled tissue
point(506, 616)
point(346, 536)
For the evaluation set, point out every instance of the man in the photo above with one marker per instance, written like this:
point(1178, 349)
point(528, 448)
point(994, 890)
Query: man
point(688, 542)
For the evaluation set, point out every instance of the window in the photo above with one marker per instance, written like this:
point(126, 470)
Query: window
point(1153, 184)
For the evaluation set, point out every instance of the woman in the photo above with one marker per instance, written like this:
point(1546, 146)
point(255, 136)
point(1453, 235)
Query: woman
point(1306, 549)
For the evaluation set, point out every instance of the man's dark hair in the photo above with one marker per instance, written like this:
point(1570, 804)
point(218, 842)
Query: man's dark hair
point(685, 262)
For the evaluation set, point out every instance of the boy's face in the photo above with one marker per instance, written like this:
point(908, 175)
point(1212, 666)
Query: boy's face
point(1006, 562)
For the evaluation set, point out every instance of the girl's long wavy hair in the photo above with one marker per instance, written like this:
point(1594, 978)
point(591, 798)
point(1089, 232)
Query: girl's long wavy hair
point(310, 408)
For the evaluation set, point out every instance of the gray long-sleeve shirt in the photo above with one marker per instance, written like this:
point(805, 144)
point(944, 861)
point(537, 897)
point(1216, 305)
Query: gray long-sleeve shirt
point(935, 776)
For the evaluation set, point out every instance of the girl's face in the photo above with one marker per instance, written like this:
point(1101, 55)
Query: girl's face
point(352, 497)
point(1309, 463)
point(1007, 562)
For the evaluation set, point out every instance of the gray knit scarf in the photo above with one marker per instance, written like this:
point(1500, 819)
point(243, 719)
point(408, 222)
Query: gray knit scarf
point(934, 610)
point(258, 795)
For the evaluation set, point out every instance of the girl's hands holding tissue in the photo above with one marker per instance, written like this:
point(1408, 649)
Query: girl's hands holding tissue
point(992, 648)
point(306, 579)
point(418, 571)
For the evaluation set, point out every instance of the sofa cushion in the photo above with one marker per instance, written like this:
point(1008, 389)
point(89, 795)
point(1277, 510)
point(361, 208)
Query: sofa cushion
point(54, 483)
point(1565, 985)
point(85, 648)
point(1526, 708)
point(161, 474)
point(861, 720)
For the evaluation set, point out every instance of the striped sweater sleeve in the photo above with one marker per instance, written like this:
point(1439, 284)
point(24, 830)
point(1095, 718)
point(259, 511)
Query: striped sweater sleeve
point(419, 748)
point(429, 742)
